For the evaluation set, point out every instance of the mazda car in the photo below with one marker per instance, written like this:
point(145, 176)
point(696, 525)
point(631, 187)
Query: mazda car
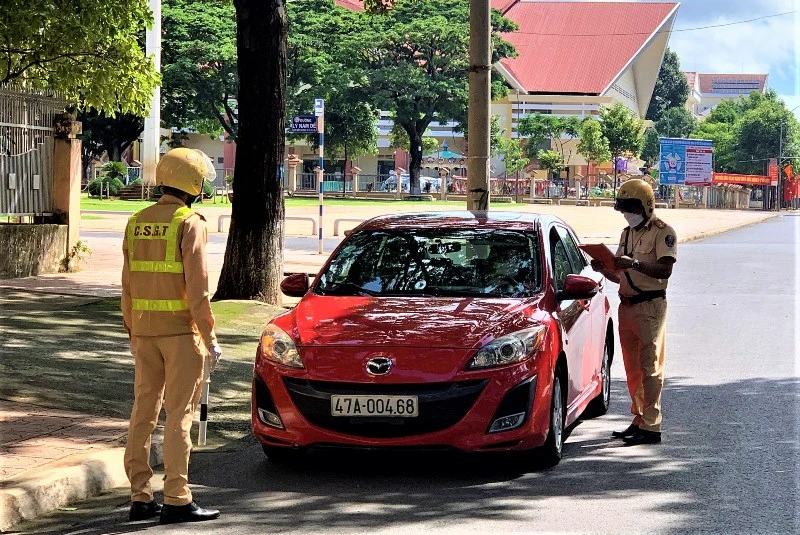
point(476, 331)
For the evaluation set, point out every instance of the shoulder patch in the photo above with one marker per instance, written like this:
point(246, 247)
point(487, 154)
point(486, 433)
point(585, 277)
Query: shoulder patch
point(669, 240)
point(660, 224)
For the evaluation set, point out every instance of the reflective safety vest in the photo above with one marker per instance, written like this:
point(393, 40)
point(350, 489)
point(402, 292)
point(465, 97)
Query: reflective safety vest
point(168, 232)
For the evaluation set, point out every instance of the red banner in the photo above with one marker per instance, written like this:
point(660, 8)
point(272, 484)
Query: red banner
point(745, 180)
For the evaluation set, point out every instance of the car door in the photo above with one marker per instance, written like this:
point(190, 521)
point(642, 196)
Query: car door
point(572, 313)
point(592, 352)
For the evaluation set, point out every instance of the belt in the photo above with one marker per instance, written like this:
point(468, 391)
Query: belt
point(642, 297)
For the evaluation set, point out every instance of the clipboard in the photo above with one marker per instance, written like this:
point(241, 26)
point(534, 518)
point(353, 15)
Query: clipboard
point(601, 252)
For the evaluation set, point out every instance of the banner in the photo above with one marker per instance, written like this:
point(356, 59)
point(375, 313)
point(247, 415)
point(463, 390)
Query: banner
point(685, 161)
point(744, 180)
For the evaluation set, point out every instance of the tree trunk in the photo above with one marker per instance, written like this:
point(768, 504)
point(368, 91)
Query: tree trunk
point(253, 265)
point(415, 163)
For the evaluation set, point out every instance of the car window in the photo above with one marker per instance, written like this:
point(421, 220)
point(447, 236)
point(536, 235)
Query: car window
point(576, 258)
point(442, 262)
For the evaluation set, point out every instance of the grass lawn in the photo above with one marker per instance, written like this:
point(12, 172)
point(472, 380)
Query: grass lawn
point(115, 205)
point(72, 353)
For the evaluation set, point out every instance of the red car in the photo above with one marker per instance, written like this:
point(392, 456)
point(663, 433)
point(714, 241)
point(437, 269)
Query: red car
point(471, 330)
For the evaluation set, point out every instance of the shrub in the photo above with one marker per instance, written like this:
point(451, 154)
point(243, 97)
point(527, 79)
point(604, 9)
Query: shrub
point(116, 170)
point(110, 186)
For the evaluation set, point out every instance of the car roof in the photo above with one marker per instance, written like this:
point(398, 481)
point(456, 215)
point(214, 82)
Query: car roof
point(501, 220)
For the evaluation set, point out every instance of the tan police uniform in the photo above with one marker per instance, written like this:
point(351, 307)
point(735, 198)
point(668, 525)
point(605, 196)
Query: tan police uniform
point(167, 312)
point(643, 319)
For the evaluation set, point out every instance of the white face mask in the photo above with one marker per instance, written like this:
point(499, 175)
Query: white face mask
point(634, 220)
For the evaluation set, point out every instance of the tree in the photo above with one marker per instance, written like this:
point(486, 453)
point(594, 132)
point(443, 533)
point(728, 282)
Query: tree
point(199, 65)
point(671, 90)
point(676, 122)
point(593, 145)
point(414, 57)
point(104, 134)
point(540, 128)
point(88, 51)
point(623, 130)
point(550, 160)
point(651, 150)
point(513, 153)
point(748, 132)
point(253, 265)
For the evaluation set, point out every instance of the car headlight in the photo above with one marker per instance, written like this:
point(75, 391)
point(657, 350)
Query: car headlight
point(278, 347)
point(509, 349)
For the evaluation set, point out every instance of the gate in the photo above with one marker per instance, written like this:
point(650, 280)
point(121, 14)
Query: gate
point(26, 151)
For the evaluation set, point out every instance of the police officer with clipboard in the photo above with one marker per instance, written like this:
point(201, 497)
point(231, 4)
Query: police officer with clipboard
point(642, 267)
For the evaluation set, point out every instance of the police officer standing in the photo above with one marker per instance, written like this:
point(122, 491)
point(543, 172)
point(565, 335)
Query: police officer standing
point(167, 313)
point(642, 266)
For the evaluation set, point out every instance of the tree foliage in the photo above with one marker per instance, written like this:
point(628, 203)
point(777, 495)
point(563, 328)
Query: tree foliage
point(676, 122)
point(414, 58)
point(671, 89)
point(199, 65)
point(651, 147)
point(593, 145)
point(622, 129)
point(105, 134)
point(89, 51)
point(748, 132)
point(540, 128)
point(550, 160)
point(514, 154)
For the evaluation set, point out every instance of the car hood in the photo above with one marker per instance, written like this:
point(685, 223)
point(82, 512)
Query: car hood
point(408, 322)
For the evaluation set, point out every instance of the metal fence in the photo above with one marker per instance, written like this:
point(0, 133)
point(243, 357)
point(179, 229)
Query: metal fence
point(26, 150)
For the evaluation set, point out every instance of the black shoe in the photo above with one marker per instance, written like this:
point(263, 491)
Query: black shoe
point(629, 432)
point(643, 437)
point(144, 510)
point(191, 512)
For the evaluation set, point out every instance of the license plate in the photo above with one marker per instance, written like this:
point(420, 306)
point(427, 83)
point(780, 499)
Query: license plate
point(392, 406)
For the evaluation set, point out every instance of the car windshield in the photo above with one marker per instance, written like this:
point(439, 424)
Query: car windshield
point(435, 262)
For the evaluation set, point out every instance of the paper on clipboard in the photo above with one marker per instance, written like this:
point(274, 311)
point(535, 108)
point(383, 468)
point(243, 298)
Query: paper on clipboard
point(599, 251)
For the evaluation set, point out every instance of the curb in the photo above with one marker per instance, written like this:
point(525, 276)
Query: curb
point(78, 477)
point(718, 231)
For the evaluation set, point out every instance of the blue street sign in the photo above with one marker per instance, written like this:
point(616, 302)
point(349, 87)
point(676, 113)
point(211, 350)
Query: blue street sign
point(319, 106)
point(685, 161)
point(304, 124)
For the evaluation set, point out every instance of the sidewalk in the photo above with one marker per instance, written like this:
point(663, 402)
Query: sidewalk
point(52, 457)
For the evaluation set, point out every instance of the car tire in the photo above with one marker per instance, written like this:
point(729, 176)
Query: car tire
point(283, 456)
point(599, 405)
point(549, 454)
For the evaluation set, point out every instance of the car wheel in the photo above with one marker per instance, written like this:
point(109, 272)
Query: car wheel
point(549, 454)
point(599, 405)
point(283, 456)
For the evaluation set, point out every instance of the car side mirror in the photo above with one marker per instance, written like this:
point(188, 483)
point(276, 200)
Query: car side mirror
point(577, 287)
point(295, 285)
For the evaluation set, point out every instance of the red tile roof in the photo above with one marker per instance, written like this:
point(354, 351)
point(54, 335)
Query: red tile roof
point(573, 47)
point(731, 81)
point(577, 47)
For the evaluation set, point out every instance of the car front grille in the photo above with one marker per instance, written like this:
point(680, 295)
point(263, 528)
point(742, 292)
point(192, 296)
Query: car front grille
point(441, 405)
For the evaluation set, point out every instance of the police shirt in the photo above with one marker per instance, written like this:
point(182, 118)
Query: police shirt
point(652, 242)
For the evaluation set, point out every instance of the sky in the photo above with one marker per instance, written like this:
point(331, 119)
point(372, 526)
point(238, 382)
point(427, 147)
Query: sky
point(770, 45)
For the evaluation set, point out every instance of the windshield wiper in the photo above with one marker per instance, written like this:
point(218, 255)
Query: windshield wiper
point(348, 288)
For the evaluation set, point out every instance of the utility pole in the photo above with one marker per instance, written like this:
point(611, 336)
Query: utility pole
point(151, 136)
point(319, 111)
point(479, 105)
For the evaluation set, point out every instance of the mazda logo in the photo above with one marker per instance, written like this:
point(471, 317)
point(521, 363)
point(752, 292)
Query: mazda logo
point(379, 366)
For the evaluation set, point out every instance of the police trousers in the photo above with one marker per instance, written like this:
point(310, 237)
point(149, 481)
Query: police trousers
point(642, 335)
point(168, 368)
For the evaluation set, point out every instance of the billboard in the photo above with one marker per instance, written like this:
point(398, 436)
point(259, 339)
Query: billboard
point(744, 180)
point(685, 161)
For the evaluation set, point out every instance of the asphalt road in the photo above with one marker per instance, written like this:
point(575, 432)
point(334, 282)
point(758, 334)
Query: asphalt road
point(728, 463)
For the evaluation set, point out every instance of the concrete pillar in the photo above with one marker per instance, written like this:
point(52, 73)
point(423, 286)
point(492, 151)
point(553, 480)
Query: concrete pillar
point(293, 161)
point(443, 181)
point(398, 172)
point(356, 172)
point(67, 176)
